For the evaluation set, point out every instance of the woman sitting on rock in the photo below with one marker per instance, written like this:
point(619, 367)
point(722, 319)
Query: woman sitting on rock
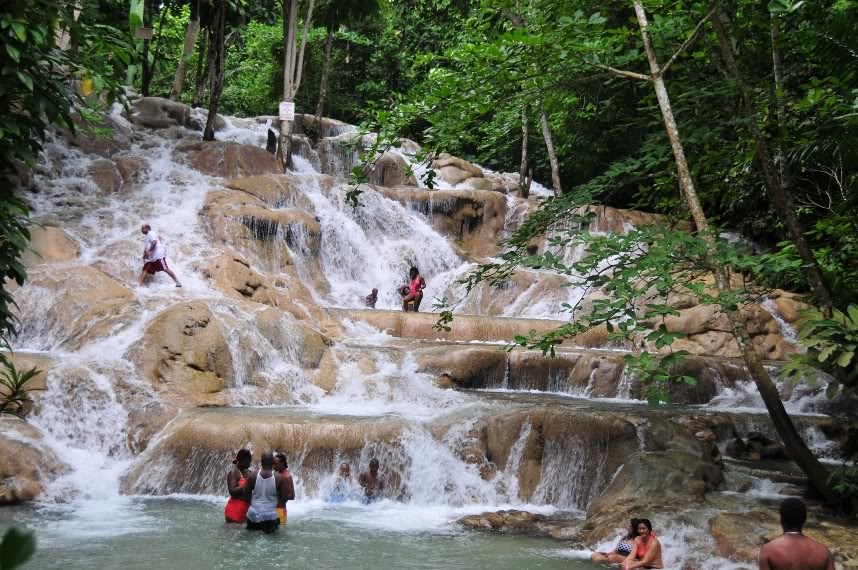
point(622, 550)
point(646, 552)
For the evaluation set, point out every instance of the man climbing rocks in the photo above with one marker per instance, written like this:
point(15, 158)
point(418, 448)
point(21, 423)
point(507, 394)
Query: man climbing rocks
point(154, 256)
point(793, 550)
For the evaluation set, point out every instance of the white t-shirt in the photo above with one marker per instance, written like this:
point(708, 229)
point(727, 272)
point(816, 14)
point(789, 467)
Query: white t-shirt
point(160, 249)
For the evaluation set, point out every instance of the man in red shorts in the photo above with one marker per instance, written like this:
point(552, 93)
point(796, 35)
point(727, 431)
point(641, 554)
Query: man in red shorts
point(154, 256)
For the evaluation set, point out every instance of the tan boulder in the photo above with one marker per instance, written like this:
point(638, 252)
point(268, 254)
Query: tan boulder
point(233, 275)
point(453, 175)
point(105, 176)
point(104, 137)
point(473, 218)
point(739, 536)
point(228, 159)
point(186, 354)
point(276, 191)
point(390, 171)
point(469, 368)
point(789, 308)
point(160, 113)
point(70, 308)
point(467, 169)
point(651, 482)
point(49, 244)
point(27, 465)
point(130, 168)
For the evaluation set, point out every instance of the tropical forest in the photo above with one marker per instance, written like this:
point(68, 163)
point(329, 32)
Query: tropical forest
point(429, 284)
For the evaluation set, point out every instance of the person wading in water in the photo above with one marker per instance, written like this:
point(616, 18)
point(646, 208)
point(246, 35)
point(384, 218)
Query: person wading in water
point(281, 467)
point(154, 256)
point(265, 489)
point(646, 552)
point(236, 507)
point(370, 482)
point(793, 550)
point(415, 290)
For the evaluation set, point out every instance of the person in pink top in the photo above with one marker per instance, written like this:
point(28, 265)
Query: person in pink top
point(646, 552)
point(415, 290)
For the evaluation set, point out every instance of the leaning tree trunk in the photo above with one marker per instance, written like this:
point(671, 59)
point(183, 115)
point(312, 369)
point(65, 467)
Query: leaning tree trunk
point(552, 154)
point(202, 70)
point(523, 181)
point(191, 33)
point(816, 474)
point(323, 83)
point(216, 67)
point(780, 197)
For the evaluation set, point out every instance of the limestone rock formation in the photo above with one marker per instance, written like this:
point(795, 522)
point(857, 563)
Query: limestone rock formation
point(49, 244)
point(474, 218)
point(454, 170)
point(185, 353)
point(199, 354)
point(739, 536)
point(71, 308)
point(105, 176)
point(130, 168)
point(27, 465)
point(468, 368)
point(511, 521)
point(276, 191)
point(160, 113)
point(391, 170)
point(228, 159)
point(104, 138)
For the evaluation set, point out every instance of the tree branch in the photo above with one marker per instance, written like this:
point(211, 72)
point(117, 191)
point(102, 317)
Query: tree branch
point(687, 42)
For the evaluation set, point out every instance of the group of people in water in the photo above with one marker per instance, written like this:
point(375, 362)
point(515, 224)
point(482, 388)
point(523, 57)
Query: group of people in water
point(258, 498)
point(640, 548)
point(411, 293)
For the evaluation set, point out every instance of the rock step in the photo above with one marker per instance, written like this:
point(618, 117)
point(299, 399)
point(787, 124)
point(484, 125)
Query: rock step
point(465, 328)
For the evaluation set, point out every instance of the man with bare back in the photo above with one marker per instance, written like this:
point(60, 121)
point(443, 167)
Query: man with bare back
point(793, 550)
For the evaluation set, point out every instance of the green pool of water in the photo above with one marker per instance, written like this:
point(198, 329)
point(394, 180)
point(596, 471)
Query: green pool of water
point(190, 534)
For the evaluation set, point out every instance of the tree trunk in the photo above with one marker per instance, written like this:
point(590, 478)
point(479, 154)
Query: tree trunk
point(323, 83)
point(202, 70)
point(782, 200)
point(816, 474)
point(523, 182)
point(216, 67)
point(156, 41)
point(284, 149)
point(191, 33)
point(146, 78)
point(780, 101)
point(552, 155)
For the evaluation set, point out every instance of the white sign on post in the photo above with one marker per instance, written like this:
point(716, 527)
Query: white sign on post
point(287, 111)
point(143, 33)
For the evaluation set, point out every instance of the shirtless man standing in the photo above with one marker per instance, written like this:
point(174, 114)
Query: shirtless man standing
point(370, 482)
point(793, 550)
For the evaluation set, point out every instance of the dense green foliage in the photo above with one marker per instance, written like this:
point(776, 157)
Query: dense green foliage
point(42, 84)
point(16, 548)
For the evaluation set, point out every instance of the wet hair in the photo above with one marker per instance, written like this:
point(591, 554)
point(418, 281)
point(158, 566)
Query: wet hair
point(644, 522)
point(373, 462)
point(267, 460)
point(413, 271)
point(241, 456)
point(282, 459)
point(634, 528)
point(793, 513)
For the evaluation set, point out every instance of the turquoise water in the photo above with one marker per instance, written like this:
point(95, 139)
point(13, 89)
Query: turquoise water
point(186, 534)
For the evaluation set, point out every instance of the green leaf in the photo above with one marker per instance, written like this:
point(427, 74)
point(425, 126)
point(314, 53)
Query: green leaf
point(16, 549)
point(823, 355)
point(25, 79)
point(20, 31)
point(844, 359)
point(13, 52)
